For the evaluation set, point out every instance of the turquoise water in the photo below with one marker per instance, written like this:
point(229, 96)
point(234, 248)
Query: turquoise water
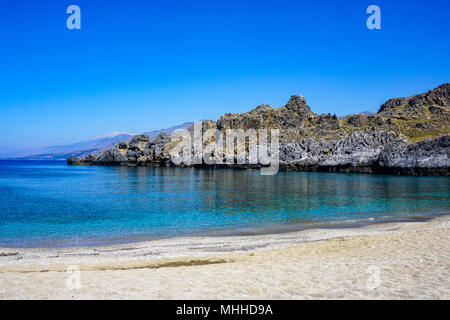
point(52, 204)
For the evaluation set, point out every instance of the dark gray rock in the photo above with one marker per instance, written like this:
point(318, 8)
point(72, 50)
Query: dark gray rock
point(430, 153)
point(138, 142)
point(359, 149)
point(72, 160)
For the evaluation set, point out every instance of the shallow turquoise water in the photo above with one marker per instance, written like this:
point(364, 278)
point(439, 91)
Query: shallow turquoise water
point(52, 204)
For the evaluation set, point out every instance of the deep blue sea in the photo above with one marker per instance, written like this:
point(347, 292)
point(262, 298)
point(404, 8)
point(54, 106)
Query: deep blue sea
point(45, 203)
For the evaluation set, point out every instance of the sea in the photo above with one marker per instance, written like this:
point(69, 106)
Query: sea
point(51, 204)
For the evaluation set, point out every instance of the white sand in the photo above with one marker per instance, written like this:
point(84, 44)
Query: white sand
point(394, 260)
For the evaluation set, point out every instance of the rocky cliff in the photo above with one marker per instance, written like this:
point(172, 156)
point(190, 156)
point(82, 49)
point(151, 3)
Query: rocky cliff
point(407, 136)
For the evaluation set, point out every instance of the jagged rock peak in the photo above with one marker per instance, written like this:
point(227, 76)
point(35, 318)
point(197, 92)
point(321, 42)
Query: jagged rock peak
point(262, 108)
point(439, 96)
point(297, 103)
point(140, 138)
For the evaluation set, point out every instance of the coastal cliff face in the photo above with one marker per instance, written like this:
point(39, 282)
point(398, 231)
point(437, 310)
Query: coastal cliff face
point(407, 136)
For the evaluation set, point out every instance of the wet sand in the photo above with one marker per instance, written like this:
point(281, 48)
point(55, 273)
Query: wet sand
point(401, 260)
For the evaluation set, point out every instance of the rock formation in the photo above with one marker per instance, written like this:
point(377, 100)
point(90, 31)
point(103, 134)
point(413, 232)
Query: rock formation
point(407, 136)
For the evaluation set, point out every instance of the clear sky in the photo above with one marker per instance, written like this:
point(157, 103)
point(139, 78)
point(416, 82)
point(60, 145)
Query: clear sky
point(141, 65)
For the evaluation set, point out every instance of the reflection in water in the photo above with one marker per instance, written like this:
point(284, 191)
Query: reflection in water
point(42, 202)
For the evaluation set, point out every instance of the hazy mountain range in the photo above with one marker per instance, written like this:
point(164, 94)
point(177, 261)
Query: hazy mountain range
point(169, 131)
point(84, 148)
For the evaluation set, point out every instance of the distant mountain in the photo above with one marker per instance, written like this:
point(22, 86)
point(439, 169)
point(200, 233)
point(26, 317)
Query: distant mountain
point(83, 148)
point(169, 131)
point(94, 145)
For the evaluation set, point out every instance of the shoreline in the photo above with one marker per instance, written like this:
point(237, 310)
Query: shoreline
point(291, 167)
point(231, 231)
point(412, 259)
point(198, 246)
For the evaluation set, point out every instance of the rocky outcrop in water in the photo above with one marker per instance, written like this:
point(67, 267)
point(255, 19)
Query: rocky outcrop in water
point(358, 151)
point(140, 150)
point(375, 152)
point(431, 156)
point(407, 136)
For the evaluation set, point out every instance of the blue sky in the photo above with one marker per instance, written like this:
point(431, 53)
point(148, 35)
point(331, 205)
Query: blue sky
point(141, 65)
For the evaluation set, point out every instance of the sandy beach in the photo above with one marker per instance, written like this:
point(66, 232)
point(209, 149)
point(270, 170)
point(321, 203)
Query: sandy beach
point(402, 260)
